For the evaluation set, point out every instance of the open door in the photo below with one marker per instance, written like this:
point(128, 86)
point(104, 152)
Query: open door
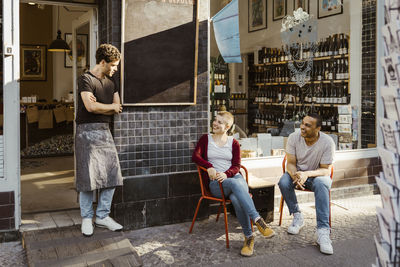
point(9, 137)
point(84, 26)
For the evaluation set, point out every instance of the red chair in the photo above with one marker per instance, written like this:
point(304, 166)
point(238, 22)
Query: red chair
point(206, 194)
point(283, 201)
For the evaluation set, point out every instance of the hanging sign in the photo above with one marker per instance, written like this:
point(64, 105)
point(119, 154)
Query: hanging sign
point(299, 37)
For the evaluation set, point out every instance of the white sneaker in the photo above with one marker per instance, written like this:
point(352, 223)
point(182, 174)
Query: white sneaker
point(297, 223)
point(109, 223)
point(324, 242)
point(87, 227)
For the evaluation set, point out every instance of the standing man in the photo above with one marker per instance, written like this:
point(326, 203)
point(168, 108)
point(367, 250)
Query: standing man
point(97, 164)
point(310, 155)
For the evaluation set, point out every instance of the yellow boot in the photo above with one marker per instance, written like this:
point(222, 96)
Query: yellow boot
point(248, 246)
point(264, 229)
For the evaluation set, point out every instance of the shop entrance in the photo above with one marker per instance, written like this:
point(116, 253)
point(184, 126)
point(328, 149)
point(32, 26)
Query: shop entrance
point(48, 100)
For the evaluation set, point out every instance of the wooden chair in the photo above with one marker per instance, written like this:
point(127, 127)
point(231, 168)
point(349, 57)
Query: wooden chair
point(283, 201)
point(206, 194)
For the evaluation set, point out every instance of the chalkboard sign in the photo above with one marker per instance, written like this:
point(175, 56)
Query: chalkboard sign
point(160, 51)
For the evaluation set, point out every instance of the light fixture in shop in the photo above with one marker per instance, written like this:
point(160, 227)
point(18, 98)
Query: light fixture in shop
point(59, 45)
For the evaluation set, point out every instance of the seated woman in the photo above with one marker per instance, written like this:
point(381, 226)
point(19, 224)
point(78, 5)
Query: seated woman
point(220, 155)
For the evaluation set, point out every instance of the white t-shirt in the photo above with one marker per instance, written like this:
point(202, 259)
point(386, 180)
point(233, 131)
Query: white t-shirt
point(220, 157)
point(310, 157)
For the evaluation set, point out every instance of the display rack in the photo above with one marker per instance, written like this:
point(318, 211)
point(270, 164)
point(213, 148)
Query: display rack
point(275, 98)
point(219, 87)
point(388, 181)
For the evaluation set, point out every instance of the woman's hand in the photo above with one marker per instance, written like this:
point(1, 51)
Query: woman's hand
point(221, 176)
point(212, 173)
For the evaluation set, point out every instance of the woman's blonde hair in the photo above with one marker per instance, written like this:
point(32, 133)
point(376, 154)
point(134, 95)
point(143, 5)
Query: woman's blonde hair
point(228, 117)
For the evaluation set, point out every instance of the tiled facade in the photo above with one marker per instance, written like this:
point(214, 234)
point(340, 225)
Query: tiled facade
point(368, 76)
point(7, 210)
point(155, 145)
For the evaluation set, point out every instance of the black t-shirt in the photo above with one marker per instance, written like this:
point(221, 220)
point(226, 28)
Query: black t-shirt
point(102, 89)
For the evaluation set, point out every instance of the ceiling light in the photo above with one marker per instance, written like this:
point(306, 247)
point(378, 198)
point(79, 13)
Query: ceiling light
point(59, 45)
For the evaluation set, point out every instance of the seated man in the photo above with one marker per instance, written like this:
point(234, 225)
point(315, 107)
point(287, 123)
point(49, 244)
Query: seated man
point(310, 156)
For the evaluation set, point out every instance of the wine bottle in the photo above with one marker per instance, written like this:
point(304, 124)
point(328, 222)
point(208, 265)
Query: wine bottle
point(346, 45)
point(346, 69)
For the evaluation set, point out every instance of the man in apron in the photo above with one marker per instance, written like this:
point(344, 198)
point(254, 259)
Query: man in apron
point(97, 164)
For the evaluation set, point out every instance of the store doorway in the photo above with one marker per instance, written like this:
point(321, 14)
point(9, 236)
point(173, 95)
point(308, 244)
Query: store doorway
point(47, 104)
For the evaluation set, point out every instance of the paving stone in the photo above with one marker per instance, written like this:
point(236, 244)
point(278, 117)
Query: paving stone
point(172, 245)
point(61, 219)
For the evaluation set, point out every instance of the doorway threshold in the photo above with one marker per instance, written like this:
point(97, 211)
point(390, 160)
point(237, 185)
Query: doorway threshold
point(49, 220)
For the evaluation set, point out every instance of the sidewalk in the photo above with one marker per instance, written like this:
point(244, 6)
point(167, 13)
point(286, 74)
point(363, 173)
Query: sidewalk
point(353, 227)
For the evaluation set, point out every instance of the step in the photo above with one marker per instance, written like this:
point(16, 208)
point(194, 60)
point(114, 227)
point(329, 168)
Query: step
point(67, 246)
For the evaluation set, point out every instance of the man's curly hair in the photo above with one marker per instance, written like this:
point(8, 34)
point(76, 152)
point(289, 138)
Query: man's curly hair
point(107, 52)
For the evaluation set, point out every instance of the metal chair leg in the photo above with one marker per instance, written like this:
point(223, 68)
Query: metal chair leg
point(195, 214)
point(226, 226)
point(219, 211)
point(281, 210)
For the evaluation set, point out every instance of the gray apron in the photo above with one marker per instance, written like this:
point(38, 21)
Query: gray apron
point(97, 164)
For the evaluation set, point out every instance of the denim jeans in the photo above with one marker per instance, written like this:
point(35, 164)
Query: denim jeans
point(236, 189)
point(319, 185)
point(103, 207)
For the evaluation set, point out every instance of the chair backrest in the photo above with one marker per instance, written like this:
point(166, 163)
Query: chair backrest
point(204, 188)
point(284, 167)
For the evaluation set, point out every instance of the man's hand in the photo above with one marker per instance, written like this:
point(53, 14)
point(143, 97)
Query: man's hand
point(221, 176)
point(299, 179)
point(212, 173)
point(117, 108)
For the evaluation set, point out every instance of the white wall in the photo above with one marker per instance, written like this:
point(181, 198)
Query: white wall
point(62, 77)
point(270, 37)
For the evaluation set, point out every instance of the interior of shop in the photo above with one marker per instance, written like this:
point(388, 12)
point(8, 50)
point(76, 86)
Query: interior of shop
point(262, 92)
point(47, 105)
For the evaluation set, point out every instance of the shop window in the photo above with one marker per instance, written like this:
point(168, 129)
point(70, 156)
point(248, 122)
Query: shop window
point(269, 102)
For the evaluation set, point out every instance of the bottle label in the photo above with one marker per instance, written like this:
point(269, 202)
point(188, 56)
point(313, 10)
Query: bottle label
point(340, 51)
point(330, 76)
point(345, 51)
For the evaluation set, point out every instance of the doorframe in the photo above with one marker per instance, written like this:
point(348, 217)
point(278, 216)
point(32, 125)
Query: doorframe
point(11, 92)
point(11, 128)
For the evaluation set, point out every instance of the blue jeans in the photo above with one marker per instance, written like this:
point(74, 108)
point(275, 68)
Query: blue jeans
point(103, 207)
point(236, 189)
point(319, 185)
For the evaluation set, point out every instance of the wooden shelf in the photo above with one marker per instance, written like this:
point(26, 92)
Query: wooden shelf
point(292, 83)
point(263, 125)
point(287, 61)
point(306, 104)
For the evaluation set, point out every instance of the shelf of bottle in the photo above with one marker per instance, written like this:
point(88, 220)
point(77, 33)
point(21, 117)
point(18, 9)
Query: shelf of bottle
point(286, 61)
point(265, 125)
point(311, 82)
point(239, 113)
point(306, 104)
point(239, 99)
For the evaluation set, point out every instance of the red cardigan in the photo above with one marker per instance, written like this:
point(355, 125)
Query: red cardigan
point(200, 156)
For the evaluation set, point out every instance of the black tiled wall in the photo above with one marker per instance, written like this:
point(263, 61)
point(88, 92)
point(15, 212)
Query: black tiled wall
point(155, 145)
point(368, 78)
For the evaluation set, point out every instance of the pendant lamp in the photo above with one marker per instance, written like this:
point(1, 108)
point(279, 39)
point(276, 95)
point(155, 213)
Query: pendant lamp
point(59, 45)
